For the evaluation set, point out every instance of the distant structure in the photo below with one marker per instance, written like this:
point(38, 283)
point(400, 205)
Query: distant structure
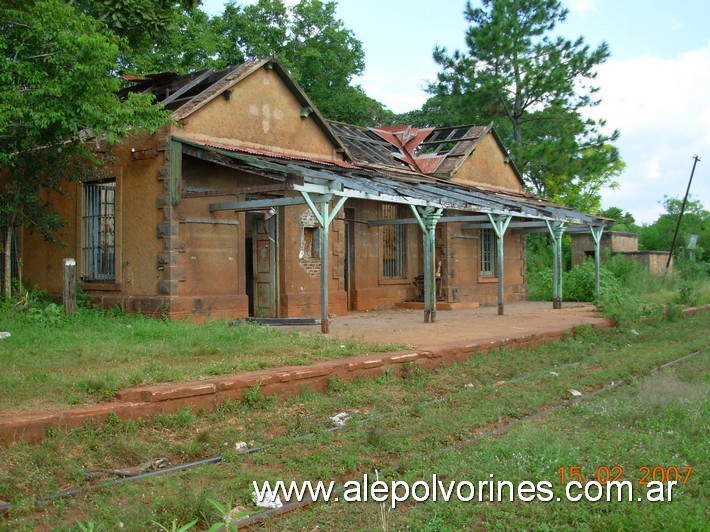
point(618, 242)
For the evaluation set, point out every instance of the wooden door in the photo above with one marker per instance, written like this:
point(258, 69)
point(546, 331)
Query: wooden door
point(264, 262)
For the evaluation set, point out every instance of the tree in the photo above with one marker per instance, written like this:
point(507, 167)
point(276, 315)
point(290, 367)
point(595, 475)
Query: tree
point(321, 53)
point(188, 44)
point(534, 87)
point(57, 87)
point(624, 221)
point(696, 220)
point(141, 24)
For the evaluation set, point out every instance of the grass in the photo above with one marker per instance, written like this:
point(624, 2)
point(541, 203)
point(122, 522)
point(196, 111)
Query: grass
point(51, 360)
point(399, 425)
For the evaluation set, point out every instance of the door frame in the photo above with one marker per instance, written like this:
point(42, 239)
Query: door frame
point(251, 221)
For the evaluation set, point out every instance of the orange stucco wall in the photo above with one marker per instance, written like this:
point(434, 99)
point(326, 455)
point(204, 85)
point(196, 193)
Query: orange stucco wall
point(465, 282)
point(487, 166)
point(369, 289)
point(137, 188)
point(261, 112)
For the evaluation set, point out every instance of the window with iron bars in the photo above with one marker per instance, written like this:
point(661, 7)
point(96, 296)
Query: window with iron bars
point(99, 230)
point(394, 243)
point(488, 253)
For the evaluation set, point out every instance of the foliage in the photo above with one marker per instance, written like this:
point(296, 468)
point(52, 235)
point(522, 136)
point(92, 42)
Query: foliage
point(579, 282)
point(535, 88)
point(57, 89)
point(188, 44)
point(321, 53)
point(624, 221)
point(696, 220)
point(139, 22)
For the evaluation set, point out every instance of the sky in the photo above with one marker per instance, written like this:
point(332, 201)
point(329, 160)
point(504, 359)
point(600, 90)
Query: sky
point(655, 88)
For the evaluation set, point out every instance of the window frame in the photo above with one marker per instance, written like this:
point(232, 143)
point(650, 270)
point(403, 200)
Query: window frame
point(488, 256)
point(393, 263)
point(99, 217)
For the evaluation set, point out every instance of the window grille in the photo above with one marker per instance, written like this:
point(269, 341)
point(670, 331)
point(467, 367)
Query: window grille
point(99, 230)
point(488, 253)
point(394, 243)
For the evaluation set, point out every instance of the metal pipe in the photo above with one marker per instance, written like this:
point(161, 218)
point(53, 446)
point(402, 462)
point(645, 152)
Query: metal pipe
point(682, 210)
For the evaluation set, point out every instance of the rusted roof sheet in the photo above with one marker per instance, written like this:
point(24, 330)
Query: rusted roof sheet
point(275, 154)
point(434, 151)
point(365, 146)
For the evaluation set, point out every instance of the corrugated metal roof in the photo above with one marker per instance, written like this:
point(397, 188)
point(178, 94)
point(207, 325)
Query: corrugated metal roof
point(401, 185)
point(275, 154)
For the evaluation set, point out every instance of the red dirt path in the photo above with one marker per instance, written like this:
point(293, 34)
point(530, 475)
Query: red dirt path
point(455, 327)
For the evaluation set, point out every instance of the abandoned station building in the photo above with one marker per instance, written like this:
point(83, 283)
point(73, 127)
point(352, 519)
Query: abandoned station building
point(253, 204)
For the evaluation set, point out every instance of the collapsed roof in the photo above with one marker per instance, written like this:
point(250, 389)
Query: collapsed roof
point(395, 164)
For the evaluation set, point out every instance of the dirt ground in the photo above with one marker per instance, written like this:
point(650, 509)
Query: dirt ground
point(457, 326)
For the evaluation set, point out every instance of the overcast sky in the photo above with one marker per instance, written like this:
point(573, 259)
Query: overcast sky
point(655, 88)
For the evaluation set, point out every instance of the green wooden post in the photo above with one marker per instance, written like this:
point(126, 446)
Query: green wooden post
point(325, 230)
point(430, 219)
point(556, 229)
point(597, 236)
point(500, 224)
point(324, 217)
point(427, 222)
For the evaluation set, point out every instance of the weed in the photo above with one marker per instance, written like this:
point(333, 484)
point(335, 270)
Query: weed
point(227, 517)
point(112, 419)
point(413, 374)
point(89, 357)
point(336, 384)
point(51, 315)
point(89, 526)
point(174, 527)
point(376, 437)
point(252, 396)
point(103, 388)
point(673, 311)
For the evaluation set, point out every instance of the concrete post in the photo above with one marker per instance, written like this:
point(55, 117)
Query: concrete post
point(69, 286)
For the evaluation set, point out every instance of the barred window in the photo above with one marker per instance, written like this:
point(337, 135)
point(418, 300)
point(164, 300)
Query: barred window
point(99, 229)
point(394, 243)
point(488, 253)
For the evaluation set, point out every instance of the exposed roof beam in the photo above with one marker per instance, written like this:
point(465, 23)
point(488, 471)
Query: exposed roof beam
point(568, 229)
point(182, 90)
point(511, 225)
point(255, 205)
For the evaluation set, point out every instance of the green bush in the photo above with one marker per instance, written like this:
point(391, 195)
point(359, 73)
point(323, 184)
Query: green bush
point(578, 284)
point(540, 284)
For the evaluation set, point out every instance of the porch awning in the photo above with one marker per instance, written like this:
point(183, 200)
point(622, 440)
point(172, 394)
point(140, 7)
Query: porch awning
point(358, 181)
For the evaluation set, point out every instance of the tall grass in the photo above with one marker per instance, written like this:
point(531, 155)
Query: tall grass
point(622, 280)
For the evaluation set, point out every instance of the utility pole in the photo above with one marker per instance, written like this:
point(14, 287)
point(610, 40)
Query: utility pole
point(682, 210)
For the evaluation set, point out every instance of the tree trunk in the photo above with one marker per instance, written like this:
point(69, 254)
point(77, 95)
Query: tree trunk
point(7, 252)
